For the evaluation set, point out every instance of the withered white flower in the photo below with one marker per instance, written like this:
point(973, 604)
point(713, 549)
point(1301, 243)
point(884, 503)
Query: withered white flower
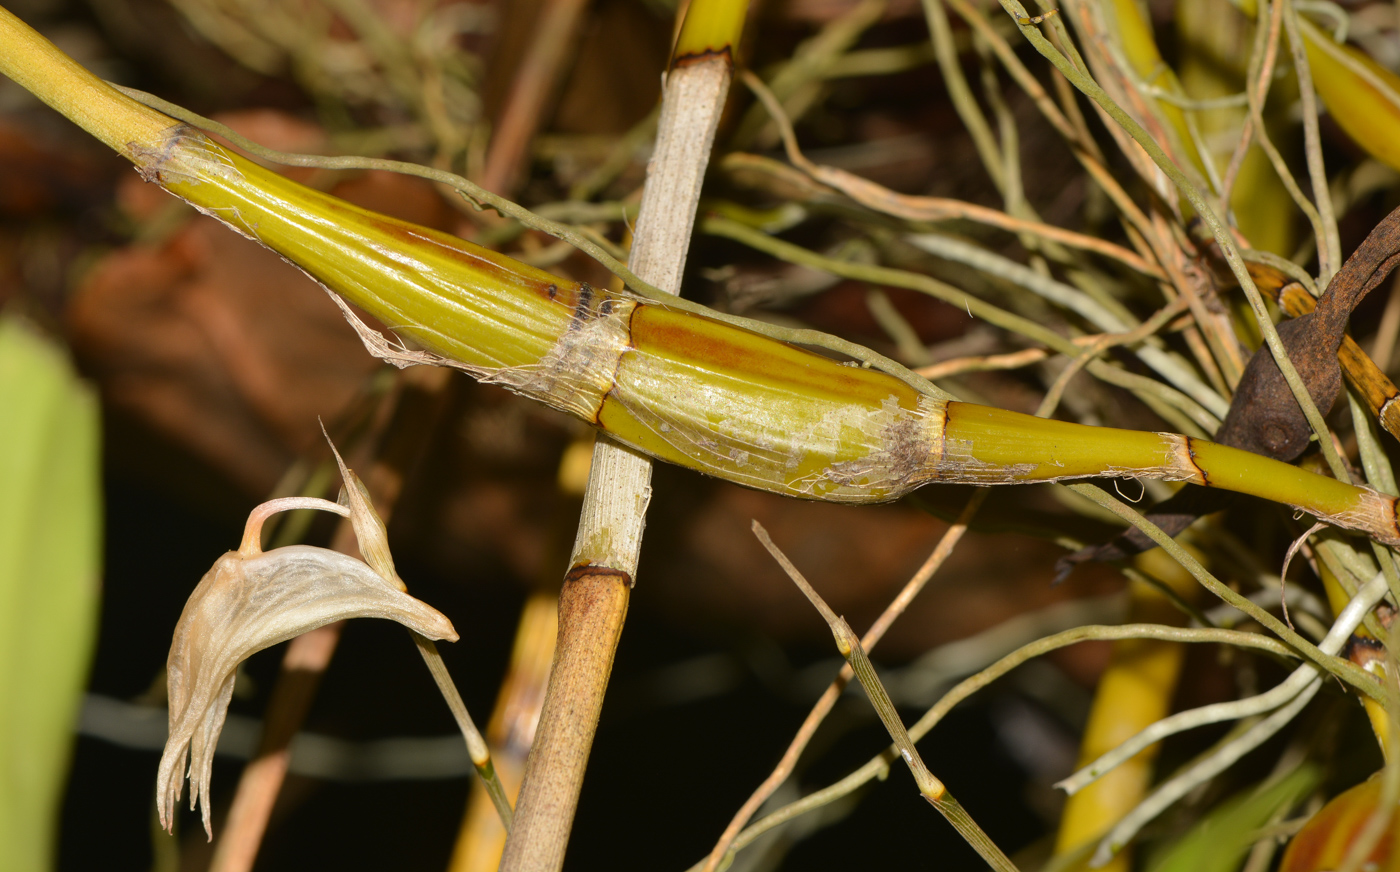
point(251, 600)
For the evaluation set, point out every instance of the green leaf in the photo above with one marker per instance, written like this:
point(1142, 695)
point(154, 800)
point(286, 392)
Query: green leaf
point(50, 551)
point(1220, 840)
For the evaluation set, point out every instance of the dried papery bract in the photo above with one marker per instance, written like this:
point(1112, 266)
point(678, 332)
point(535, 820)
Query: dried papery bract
point(373, 539)
point(370, 532)
point(249, 601)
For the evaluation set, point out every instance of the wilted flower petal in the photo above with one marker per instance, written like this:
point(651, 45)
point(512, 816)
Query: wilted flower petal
point(249, 601)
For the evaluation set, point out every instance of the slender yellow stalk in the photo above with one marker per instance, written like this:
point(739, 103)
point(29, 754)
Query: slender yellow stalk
point(710, 28)
point(1135, 690)
point(1134, 33)
point(35, 64)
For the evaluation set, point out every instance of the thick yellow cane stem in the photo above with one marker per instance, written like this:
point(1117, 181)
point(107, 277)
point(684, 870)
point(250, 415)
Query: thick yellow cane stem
point(677, 385)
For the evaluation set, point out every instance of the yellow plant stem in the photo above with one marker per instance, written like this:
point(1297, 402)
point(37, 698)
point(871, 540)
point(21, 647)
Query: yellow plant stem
point(36, 65)
point(675, 384)
point(1135, 35)
point(1360, 94)
point(1135, 691)
point(711, 27)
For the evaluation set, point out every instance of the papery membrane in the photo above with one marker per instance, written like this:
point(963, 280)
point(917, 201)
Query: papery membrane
point(243, 605)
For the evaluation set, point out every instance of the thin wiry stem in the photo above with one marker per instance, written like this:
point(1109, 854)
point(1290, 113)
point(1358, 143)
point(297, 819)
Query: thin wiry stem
point(877, 630)
point(1217, 760)
point(1346, 671)
point(989, 262)
point(1075, 73)
point(1258, 77)
point(828, 699)
point(1288, 689)
point(963, 101)
point(1329, 245)
point(932, 789)
point(913, 208)
point(476, 744)
point(878, 766)
point(1161, 397)
point(797, 80)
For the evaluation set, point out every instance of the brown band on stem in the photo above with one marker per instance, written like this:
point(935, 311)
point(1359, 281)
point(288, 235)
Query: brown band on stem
point(587, 570)
point(1191, 456)
point(686, 60)
point(583, 306)
point(943, 431)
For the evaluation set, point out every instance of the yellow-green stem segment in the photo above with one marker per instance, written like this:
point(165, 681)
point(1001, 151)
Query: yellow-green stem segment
point(688, 389)
point(711, 27)
point(678, 386)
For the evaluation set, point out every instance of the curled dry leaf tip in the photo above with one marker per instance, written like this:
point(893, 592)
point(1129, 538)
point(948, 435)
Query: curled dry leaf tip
point(370, 532)
point(251, 600)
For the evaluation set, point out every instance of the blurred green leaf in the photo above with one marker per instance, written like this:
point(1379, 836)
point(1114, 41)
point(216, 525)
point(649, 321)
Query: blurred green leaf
point(50, 548)
point(1220, 840)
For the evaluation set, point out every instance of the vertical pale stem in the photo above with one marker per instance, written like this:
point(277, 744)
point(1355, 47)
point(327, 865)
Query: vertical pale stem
point(593, 601)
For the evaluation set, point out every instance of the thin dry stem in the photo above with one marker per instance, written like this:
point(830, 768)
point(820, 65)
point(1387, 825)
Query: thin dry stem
point(930, 787)
point(827, 700)
point(476, 745)
point(915, 208)
point(1329, 246)
point(878, 766)
point(533, 85)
